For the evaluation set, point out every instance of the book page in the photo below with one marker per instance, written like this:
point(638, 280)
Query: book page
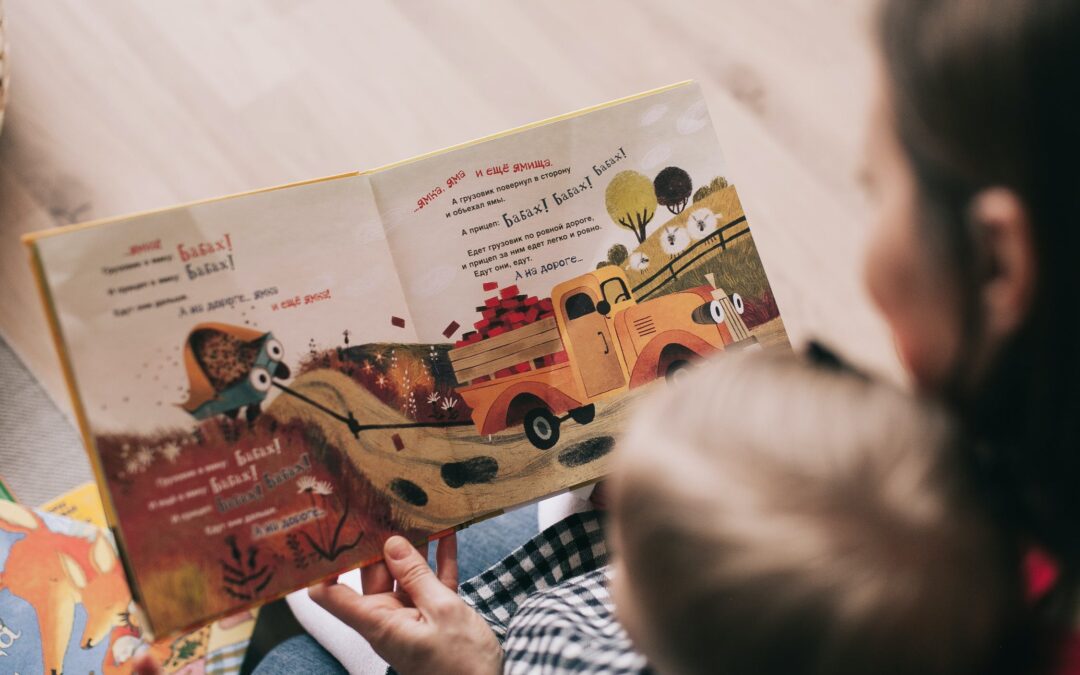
point(570, 265)
point(220, 353)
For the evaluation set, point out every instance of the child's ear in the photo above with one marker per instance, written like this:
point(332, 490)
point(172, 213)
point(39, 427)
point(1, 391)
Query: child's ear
point(1004, 231)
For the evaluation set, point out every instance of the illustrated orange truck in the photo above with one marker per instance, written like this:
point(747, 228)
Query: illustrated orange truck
point(598, 344)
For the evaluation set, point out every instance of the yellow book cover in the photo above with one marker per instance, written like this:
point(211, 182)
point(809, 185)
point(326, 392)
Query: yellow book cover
point(271, 384)
point(82, 503)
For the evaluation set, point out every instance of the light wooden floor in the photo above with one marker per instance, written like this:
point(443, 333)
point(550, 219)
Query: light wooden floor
point(121, 106)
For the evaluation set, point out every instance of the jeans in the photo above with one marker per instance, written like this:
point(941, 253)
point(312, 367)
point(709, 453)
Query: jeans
point(479, 547)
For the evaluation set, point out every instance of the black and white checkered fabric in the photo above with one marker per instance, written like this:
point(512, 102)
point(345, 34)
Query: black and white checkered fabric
point(549, 605)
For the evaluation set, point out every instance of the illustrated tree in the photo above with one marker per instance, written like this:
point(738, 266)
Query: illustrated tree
point(718, 183)
point(618, 255)
point(631, 202)
point(673, 188)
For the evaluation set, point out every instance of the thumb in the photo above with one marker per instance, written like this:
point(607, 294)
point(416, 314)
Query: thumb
point(412, 573)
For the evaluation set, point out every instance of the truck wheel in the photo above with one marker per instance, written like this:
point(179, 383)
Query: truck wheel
point(584, 414)
point(541, 428)
point(677, 371)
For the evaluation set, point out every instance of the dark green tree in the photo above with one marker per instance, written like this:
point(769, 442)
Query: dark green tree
point(673, 188)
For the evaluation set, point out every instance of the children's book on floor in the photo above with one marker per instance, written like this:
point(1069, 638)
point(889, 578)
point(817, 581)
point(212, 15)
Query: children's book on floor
point(270, 384)
point(65, 606)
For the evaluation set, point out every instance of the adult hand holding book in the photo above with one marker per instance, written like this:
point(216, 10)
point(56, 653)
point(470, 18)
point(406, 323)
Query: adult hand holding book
point(412, 616)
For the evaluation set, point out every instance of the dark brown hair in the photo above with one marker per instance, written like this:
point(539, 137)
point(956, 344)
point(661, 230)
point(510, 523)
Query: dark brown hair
point(986, 94)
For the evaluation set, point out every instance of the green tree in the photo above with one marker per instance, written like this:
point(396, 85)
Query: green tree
point(631, 202)
point(718, 183)
point(618, 255)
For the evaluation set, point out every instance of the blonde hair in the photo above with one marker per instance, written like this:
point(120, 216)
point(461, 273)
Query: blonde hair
point(778, 516)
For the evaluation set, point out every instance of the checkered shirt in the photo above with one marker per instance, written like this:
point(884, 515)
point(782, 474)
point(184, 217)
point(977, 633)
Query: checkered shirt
point(549, 605)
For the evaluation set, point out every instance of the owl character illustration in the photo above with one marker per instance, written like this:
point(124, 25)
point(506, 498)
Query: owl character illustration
point(230, 368)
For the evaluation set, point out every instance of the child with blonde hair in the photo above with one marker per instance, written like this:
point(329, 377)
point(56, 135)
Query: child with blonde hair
point(777, 515)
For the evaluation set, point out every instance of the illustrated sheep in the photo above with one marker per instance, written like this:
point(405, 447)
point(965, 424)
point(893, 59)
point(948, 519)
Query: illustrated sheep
point(701, 224)
point(674, 240)
point(639, 262)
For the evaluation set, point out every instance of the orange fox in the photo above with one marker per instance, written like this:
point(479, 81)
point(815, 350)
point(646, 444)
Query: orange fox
point(54, 572)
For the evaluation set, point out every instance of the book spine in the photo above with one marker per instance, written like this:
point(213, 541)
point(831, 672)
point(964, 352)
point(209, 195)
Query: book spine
point(81, 418)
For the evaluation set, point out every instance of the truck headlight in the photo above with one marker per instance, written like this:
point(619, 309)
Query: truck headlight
point(738, 304)
point(709, 313)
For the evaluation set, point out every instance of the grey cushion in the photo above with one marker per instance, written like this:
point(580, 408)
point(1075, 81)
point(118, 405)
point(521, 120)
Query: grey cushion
point(41, 454)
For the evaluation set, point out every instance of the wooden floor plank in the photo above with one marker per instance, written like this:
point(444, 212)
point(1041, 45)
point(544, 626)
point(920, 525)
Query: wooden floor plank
point(120, 106)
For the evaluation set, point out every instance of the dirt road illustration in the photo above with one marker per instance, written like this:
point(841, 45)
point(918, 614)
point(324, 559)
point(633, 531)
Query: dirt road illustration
point(438, 478)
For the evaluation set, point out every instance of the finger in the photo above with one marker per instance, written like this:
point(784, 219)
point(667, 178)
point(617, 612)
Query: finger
point(366, 614)
point(145, 665)
point(423, 551)
point(413, 575)
point(601, 496)
point(446, 564)
point(375, 578)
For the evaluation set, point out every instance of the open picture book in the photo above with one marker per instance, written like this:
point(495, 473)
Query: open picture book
point(271, 384)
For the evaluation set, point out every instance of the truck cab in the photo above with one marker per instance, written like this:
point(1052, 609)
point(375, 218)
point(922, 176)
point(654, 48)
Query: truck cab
point(611, 343)
point(585, 310)
point(615, 343)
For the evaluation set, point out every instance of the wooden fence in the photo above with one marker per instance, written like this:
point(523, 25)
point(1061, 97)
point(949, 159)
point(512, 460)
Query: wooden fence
point(686, 259)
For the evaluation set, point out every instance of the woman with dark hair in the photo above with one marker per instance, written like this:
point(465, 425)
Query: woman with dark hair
point(973, 165)
point(974, 169)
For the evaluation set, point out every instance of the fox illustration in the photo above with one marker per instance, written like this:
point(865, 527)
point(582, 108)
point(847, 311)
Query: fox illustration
point(54, 572)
